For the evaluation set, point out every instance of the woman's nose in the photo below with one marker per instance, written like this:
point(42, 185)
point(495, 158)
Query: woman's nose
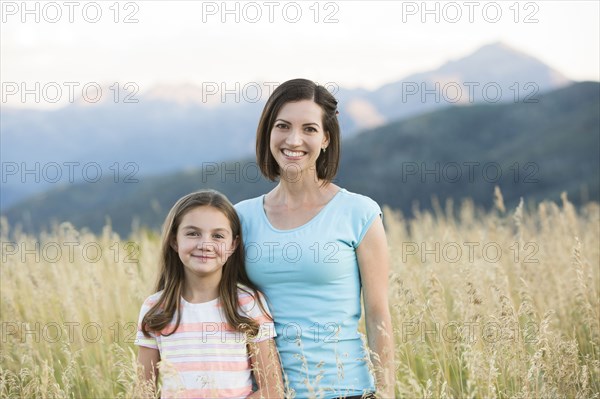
point(294, 138)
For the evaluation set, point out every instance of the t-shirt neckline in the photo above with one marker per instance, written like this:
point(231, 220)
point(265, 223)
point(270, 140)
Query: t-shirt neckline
point(207, 303)
point(317, 216)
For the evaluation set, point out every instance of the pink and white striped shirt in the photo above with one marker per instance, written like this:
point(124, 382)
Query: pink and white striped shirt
point(205, 357)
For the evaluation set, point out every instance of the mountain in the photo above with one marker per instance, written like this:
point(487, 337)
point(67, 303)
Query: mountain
point(532, 150)
point(155, 137)
point(494, 73)
point(172, 127)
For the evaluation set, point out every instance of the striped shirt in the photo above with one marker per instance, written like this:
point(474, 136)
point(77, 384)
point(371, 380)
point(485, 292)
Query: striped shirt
point(205, 357)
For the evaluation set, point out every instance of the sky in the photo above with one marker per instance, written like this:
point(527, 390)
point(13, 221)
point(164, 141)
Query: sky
point(355, 44)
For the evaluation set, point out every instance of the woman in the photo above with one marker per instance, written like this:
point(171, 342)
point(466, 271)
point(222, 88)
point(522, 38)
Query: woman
point(311, 246)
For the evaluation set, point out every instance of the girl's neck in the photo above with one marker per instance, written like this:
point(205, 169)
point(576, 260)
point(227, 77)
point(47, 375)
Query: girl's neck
point(199, 290)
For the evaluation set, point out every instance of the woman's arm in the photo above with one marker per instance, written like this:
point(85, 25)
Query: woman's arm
point(374, 265)
point(148, 358)
point(266, 368)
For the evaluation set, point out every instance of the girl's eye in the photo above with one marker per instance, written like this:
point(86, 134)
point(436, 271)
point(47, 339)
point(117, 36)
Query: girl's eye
point(192, 234)
point(219, 236)
point(281, 126)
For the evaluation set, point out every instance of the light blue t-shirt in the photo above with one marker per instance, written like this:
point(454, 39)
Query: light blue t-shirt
point(312, 282)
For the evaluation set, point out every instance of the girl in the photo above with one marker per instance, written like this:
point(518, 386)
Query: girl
point(206, 328)
point(314, 248)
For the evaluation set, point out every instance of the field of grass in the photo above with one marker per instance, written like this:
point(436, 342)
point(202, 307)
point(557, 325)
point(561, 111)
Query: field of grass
point(500, 304)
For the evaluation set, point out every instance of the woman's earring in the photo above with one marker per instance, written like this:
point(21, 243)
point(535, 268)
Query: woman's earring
point(324, 148)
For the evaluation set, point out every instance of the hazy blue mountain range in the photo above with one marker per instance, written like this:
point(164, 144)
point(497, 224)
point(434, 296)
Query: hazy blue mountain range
point(177, 127)
point(532, 150)
point(493, 74)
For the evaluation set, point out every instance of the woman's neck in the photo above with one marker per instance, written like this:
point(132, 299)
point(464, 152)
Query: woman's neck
point(301, 193)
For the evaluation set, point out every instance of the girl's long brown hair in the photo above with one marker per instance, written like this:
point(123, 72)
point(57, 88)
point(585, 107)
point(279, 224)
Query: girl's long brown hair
point(171, 276)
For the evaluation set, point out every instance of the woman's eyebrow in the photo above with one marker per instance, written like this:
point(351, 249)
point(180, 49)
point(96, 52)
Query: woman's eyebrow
point(289, 123)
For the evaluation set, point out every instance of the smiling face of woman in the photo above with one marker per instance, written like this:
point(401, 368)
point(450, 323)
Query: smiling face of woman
point(298, 137)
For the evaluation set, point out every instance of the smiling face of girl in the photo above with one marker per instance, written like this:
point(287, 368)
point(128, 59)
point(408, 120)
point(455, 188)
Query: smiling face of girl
point(298, 137)
point(204, 242)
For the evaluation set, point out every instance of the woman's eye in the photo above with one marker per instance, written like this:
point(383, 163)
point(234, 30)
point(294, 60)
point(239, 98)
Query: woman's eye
point(311, 129)
point(219, 236)
point(192, 234)
point(281, 126)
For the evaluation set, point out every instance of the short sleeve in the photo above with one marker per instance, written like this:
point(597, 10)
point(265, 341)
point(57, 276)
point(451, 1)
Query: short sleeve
point(141, 339)
point(253, 310)
point(369, 210)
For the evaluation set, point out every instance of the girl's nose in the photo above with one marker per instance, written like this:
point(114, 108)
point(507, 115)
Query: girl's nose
point(205, 245)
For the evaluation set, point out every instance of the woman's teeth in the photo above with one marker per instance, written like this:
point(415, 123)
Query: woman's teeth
point(293, 153)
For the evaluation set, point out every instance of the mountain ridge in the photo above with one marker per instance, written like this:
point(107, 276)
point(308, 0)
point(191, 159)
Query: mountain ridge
point(142, 133)
point(541, 149)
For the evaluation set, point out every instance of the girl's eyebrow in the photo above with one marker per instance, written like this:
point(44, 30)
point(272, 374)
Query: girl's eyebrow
point(289, 123)
point(196, 228)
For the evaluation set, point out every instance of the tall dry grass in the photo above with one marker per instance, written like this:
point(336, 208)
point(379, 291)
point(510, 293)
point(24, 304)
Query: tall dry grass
point(522, 323)
point(469, 322)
